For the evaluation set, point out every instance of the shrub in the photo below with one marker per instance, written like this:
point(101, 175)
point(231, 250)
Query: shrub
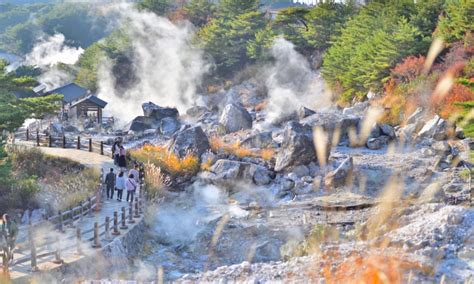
point(154, 181)
point(217, 144)
point(167, 161)
point(448, 105)
point(410, 68)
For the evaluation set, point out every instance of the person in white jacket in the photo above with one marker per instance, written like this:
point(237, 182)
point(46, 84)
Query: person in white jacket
point(120, 185)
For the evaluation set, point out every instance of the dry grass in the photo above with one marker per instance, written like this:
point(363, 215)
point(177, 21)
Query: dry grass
point(167, 161)
point(154, 181)
point(236, 149)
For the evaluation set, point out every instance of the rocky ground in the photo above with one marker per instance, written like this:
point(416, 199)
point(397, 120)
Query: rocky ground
point(368, 191)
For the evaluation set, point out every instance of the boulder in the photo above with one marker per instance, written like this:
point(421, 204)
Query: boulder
point(416, 116)
point(169, 126)
point(305, 112)
point(154, 111)
point(388, 130)
point(330, 121)
point(260, 140)
point(340, 175)
point(441, 148)
point(235, 118)
point(56, 129)
point(70, 128)
point(357, 109)
point(459, 133)
point(301, 171)
point(432, 194)
point(374, 144)
point(434, 128)
point(196, 111)
point(297, 147)
point(189, 140)
point(141, 123)
point(225, 170)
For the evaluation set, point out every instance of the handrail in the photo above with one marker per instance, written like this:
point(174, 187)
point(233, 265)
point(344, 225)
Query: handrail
point(128, 215)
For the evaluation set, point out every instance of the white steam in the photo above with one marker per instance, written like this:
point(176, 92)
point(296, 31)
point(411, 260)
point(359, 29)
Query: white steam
point(51, 51)
point(291, 83)
point(166, 64)
point(47, 54)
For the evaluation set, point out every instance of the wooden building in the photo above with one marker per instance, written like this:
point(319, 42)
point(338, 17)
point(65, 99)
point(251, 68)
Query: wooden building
point(90, 106)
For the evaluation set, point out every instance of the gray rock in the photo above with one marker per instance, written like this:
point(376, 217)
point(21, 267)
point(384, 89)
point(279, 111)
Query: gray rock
point(441, 131)
point(431, 194)
point(441, 148)
point(375, 131)
point(388, 130)
point(56, 129)
point(297, 148)
point(340, 175)
point(430, 128)
point(372, 95)
point(357, 109)
point(235, 118)
point(330, 121)
point(301, 170)
point(260, 140)
point(225, 170)
point(459, 133)
point(70, 128)
point(189, 140)
point(196, 111)
point(305, 112)
point(417, 115)
point(142, 123)
point(374, 144)
point(154, 111)
point(169, 126)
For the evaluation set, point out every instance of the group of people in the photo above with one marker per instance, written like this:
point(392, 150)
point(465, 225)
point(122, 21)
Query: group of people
point(120, 182)
point(119, 154)
point(8, 234)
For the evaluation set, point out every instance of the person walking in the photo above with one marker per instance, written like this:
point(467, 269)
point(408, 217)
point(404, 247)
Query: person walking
point(9, 233)
point(136, 175)
point(120, 185)
point(131, 186)
point(110, 183)
point(122, 161)
point(116, 151)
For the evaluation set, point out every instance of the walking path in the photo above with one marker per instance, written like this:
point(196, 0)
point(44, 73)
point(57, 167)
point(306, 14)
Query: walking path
point(67, 239)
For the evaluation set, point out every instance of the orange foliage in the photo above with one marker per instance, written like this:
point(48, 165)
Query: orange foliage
point(373, 268)
point(260, 106)
point(409, 69)
point(446, 105)
point(167, 161)
point(236, 149)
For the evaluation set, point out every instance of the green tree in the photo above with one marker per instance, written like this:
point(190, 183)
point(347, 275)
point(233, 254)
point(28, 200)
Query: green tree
point(227, 40)
point(199, 12)
point(233, 8)
point(369, 46)
point(457, 20)
point(159, 7)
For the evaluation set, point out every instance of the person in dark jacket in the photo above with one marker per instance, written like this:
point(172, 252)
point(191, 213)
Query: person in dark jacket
point(110, 183)
point(9, 233)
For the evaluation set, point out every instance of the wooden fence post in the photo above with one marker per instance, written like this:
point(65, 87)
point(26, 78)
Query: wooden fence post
point(27, 134)
point(140, 206)
point(90, 144)
point(96, 236)
point(102, 147)
point(124, 224)
point(130, 214)
point(78, 143)
point(37, 138)
point(116, 231)
point(81, 209)
point(33, 261)
point(50, 141)
point(78, 241)
point(61, 225)
point(137, 213)
point(90, 206)
point(107, 228)
point(57, 253)
point(64, 141)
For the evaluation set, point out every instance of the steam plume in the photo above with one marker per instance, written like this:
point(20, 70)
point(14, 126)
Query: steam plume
point(166, 64)
point(51, 51)
point(291, 83)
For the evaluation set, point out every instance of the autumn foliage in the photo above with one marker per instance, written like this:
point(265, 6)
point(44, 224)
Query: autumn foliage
point(217, 144)
point(167, 161)
point(409, 69)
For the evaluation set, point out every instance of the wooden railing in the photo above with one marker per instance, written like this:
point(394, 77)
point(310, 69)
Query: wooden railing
point(76, 142)
point(111, 226)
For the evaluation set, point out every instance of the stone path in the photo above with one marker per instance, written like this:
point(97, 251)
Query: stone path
point(67, 239)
